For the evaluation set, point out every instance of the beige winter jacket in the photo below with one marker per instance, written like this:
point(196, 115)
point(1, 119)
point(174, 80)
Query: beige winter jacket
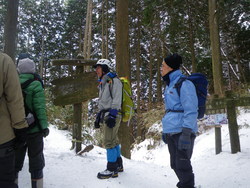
point(11, 102)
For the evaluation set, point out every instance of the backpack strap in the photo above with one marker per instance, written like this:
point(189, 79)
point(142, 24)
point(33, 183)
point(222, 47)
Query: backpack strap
point(38, 78)
point(27, 83)
point(178, 84)
point(110, 81)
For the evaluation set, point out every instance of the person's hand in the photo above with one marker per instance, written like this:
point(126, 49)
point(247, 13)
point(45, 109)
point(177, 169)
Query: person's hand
point(164, 138)
point(111, 120)
point(185, 139)
point(21, 137)
point(30, 119)
point(45, 132)
point(97, 120)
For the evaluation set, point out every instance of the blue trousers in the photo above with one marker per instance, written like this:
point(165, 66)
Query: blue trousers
point(113, 153)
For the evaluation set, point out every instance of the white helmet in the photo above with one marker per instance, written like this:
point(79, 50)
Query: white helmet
point(103, 62)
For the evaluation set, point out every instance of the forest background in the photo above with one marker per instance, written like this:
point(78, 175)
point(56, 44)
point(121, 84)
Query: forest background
point(56, 29)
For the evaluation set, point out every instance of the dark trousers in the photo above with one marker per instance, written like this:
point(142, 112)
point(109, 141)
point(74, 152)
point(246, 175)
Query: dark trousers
point(7, 165)
point(180, 161)
point(34, 145)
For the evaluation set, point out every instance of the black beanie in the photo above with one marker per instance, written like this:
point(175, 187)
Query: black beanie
point(174, 61)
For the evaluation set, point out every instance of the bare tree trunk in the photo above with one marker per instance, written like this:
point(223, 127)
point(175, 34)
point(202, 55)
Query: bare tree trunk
point(10, 30)
point(123, 64)
point(105, 29)
point(28, 40)
point(138, 66)
point(191, 37)
point(44, 34)
point(122, 42)
point(160, 56)
point(88, 31)
point(42, 57)
point(103, 38)
point(159, 80)
point(90, 7)
point(215, 46)
point(151, 58)
point(87, 48)
point(241, 71)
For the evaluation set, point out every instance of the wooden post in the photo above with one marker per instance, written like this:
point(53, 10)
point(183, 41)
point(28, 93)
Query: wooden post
point(232, 124)
point(218, 144)
point(217, 129)
point(78, 118)
point(78, 126)
point(229, 103)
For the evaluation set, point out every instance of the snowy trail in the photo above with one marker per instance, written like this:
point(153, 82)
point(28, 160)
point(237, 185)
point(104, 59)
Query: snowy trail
point(147, 168)
point(66, 170)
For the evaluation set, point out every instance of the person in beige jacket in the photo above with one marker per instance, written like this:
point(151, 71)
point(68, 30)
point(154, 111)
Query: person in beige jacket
point(13, 125)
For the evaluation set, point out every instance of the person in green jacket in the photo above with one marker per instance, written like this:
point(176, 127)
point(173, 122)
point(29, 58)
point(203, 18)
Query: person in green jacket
point(13, 126)
point(35, 101)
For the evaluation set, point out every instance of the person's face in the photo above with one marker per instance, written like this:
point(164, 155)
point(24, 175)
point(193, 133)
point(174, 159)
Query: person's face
point(98, 71)
point(165, 68)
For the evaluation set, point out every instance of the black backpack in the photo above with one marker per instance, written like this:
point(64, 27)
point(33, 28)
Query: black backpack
point(24, 85)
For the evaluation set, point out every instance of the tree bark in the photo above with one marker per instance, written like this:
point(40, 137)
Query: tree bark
point(88, 31)
point(10, 30)
point(103, 38)
point(105, 29)
point(123, 65)
point(191, 36)
point(42, 57)
point(151, 59)
point(215, 47)
point(160, 56)
point(138, 77)
point(87, 52)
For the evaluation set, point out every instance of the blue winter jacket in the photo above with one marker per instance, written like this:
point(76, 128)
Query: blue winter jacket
point(173, 122)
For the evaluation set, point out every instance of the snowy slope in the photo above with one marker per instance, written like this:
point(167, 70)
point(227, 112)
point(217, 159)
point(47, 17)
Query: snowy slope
point(146, 169)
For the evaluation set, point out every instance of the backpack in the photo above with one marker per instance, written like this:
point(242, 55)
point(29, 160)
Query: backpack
point(28, 111)
point(127, 107)
point(200, 82)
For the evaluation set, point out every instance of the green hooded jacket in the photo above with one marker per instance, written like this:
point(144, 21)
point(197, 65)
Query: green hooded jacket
point(35, 100)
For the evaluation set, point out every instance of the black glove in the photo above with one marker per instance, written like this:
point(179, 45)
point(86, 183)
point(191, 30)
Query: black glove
point(45, 132)
point(164, 138)
point(111, 120)
point(21, 137)
point(185, 139)
point(97, 120)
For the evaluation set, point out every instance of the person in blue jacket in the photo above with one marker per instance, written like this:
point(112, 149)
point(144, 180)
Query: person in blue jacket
point(180, 120)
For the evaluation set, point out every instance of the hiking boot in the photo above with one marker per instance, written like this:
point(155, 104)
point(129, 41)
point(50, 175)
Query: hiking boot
point(120, 169)
point(37, 183)
point(107, 174)
point(111, 171)
point(120, 165)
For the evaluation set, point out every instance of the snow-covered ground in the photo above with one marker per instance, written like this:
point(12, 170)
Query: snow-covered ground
point(146, 169)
